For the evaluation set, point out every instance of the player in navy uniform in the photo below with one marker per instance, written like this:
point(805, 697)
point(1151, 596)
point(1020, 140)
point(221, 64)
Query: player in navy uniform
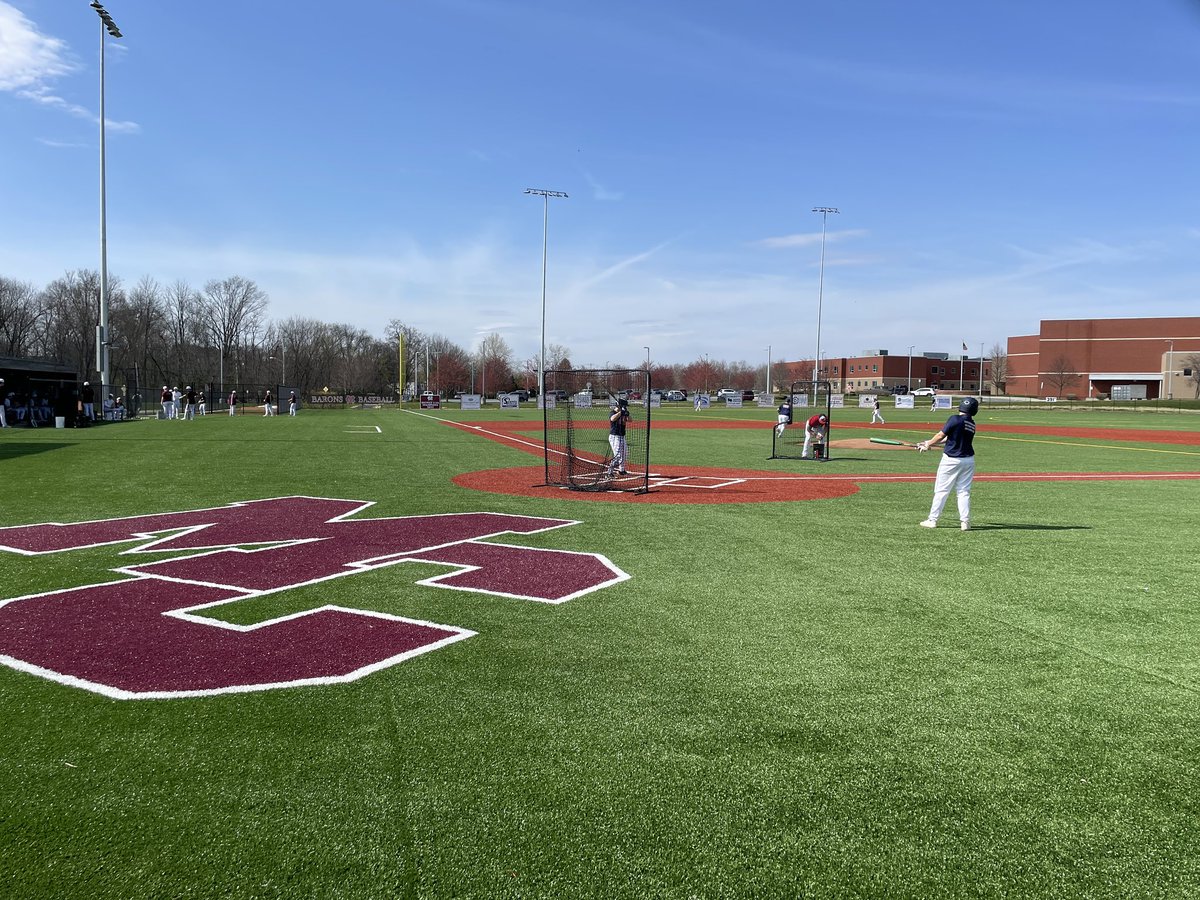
point(616, 437)
point(785, 415)
point(956, 470)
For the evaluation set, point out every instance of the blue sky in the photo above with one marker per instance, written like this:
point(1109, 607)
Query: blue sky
point(994, 164)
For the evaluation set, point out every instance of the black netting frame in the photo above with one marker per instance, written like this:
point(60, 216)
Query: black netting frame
point(819, 397)
point(575, 431)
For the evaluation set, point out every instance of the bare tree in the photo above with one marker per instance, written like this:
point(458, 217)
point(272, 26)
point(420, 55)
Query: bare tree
point(232, 310)
point(1060, 373)
point(495, 364)
point(20, 313)
point(72, 307)
point(999, 375)
point(1192, 361)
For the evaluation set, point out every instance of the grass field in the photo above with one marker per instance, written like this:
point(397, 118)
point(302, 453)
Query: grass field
point(800, 699)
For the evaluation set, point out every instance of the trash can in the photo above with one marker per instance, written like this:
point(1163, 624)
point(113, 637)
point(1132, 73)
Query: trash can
point(60, 421)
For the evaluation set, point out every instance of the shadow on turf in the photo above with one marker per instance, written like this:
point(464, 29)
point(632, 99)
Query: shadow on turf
point(1004, 526)
point(20, 448)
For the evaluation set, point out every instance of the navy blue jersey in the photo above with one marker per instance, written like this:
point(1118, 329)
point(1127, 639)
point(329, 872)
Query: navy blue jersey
point(616, 423)
point(785, 409)
point(960, 433)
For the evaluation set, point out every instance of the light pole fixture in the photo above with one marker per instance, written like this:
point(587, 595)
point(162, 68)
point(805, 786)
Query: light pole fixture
point(102, 341)
point(545, 195)
point(282, 368)
point(824, 211)
point(1170, 366)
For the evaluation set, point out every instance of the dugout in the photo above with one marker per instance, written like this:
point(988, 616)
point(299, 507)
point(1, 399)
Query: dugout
point(36, 380)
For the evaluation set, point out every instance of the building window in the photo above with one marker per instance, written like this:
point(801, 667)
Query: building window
point(875, 368)
point(1187, 373)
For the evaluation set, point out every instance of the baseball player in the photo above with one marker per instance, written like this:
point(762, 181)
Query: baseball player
point(956, 470)
point(619, 416)
point(3, 404)
point(785, 415)
point(876, 415)
point(817, 426)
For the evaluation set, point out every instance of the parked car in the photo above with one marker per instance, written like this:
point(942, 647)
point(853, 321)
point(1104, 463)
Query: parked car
point(728, 394)
point(900, 389)
point(924, 392)
point(676, 396)
point(557, 395)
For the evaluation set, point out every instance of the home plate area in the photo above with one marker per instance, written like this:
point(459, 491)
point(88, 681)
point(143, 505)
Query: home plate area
point(673, 484)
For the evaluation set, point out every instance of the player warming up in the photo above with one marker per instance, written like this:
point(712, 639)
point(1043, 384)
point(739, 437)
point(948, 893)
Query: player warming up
point(816, 427)
point(876, 415)
point(616, 437)
point(785, 415)
point(956, 470)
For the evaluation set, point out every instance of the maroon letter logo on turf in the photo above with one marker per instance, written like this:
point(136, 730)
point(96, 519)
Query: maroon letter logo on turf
point(147, 635)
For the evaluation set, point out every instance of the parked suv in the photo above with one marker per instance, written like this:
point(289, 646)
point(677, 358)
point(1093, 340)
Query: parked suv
point(728, 394)
point(677, 396)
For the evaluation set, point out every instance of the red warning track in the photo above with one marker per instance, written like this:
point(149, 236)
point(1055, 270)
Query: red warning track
point(696, 485)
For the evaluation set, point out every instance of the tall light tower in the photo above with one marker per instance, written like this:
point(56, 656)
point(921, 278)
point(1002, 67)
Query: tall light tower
point(1170, 366)
point(102, 341)
point(824, 211)
point(545, 195)
point(767, 383)
point(910, 350)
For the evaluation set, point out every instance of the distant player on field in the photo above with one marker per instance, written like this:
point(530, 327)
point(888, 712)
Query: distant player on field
point(785, 415)
point(619, 416)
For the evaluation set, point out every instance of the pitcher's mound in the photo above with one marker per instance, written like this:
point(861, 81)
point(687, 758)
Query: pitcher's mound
point(865, 444)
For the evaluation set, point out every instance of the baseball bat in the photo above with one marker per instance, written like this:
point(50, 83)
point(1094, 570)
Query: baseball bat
point(893, 443)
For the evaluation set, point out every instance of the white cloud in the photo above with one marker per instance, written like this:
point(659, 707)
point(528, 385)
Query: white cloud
point(28, 59)
point(807, 240)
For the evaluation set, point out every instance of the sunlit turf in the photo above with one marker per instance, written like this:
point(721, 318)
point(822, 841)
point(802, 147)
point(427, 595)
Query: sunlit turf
point(804, 699)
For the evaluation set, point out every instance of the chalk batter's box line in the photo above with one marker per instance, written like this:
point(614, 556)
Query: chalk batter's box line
point(685, 481)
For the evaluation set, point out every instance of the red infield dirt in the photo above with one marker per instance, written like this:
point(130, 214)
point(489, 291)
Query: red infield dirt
point(677, 484)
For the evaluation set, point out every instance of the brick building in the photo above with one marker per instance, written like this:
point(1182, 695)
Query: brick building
point(880, 371)
point(1102, 358)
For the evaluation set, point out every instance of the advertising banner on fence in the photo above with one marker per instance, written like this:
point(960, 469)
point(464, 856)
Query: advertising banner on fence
point(471, 401)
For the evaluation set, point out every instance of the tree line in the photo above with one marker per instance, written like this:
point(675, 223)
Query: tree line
point(220, 335)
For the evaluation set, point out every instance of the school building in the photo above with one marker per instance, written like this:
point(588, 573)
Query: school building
point(1119, 359)
point(879, 371)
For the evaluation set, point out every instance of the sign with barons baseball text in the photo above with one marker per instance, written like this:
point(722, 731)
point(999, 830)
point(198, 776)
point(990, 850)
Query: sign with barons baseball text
point(148, 635)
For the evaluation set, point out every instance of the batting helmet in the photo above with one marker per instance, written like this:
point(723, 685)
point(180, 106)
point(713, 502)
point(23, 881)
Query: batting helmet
point(623, 403)
point(970, 406)
point(823, 420)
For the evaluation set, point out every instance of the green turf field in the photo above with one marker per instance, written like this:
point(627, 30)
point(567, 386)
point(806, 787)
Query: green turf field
point(805, 699)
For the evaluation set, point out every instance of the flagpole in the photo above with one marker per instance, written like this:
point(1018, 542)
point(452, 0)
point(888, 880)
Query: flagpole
point(962, 364)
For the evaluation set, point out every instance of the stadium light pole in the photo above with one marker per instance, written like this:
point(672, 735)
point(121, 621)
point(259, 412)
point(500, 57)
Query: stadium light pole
point(282, 368)
point(102, 343)
point(1170, 366)
point(545, 195)
point(767, 380)
point(824, 211)
point(910, 350)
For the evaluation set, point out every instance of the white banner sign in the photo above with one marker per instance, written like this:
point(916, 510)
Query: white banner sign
point(905, 401)
point(942, 401)
point(583, 400)
point(471, 401)
point(733, 402)
point(837, 401)
point(867, 401)
point(510, 401)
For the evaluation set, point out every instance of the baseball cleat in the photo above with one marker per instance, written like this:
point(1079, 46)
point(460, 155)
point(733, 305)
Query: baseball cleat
point(965, 526)
point(929, 523)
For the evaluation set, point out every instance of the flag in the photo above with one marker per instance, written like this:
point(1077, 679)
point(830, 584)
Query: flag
point(964, 346)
